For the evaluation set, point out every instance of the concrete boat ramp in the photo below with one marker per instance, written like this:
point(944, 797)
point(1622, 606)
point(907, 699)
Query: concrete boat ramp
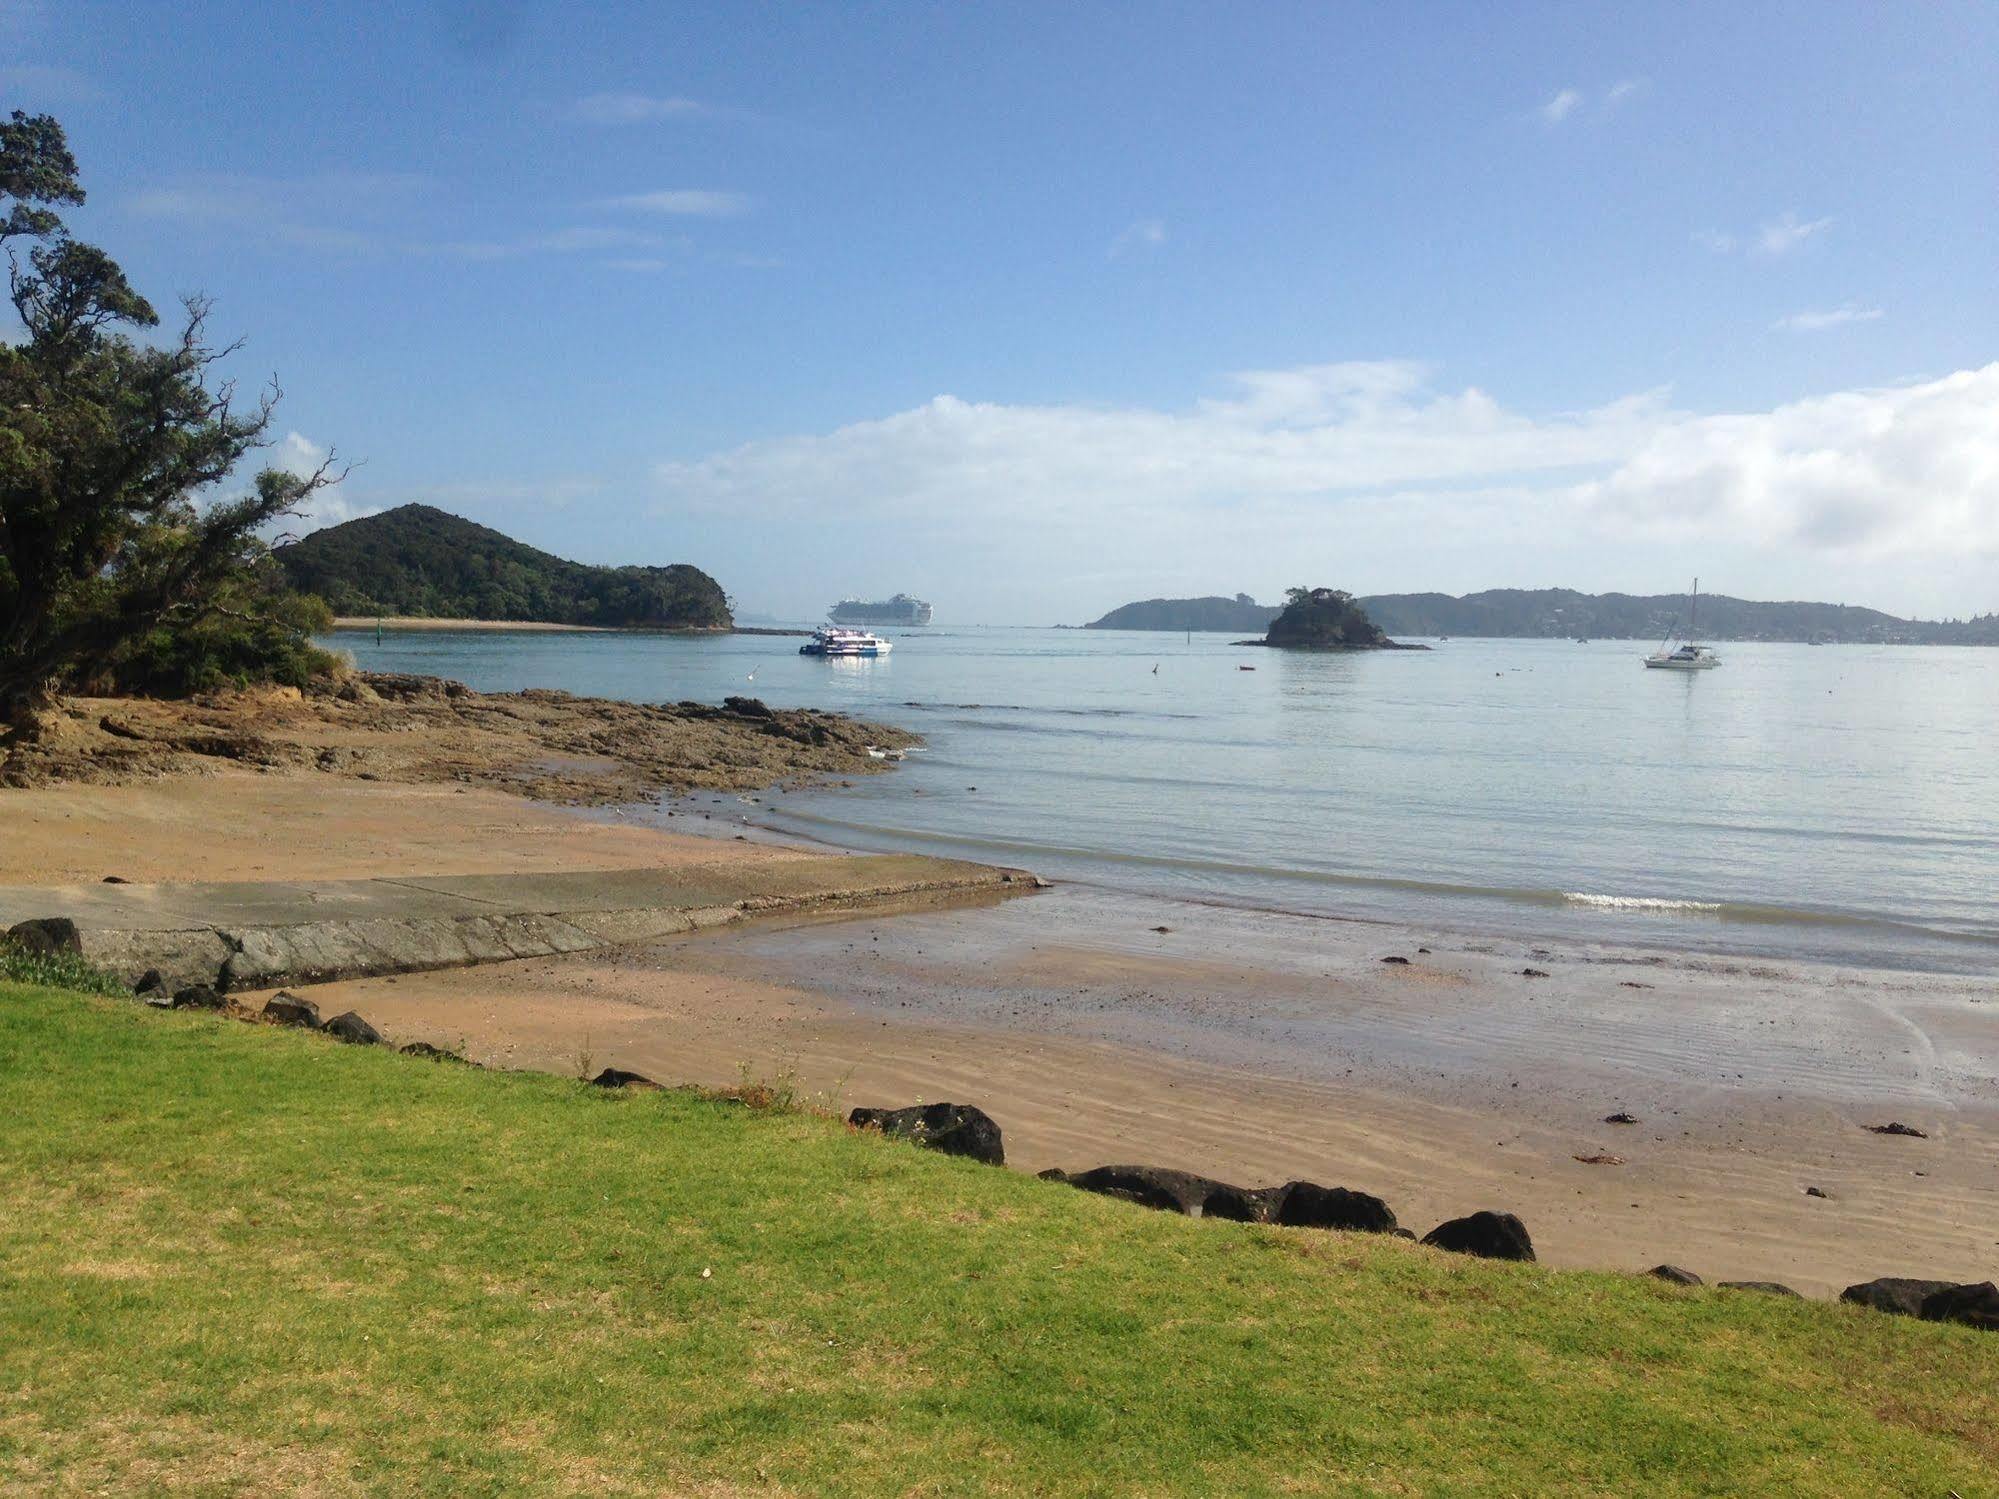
point(259, 935)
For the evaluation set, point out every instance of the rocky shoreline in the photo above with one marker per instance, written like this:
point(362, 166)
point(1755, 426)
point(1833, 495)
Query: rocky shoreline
point(376, 726)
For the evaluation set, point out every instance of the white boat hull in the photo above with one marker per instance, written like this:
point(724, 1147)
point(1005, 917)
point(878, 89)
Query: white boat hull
point(1667, 663)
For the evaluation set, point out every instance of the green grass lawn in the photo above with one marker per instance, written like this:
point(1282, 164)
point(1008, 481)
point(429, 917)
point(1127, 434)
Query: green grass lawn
point(240, 1260)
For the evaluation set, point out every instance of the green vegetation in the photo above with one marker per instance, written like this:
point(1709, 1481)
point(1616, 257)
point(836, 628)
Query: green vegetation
point(416, 560)
point(58, 970)
point(236, 1259)
point(1212, 613)
point(1324, 619)
point(122, 561)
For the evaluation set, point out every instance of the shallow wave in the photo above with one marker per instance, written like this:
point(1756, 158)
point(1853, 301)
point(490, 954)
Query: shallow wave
point(1245, 877)
point(1637, 902)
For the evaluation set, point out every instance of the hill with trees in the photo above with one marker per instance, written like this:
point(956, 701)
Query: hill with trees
point(1211, 613)
point(418, 560)
point(1563, 613)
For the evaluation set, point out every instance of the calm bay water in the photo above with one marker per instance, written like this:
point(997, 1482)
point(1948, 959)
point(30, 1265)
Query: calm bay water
point(1836, 802)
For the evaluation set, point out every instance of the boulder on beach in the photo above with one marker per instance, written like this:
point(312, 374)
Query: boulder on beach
point(1765, 1287)
point(1892, 1293)
point(1161, 1187)
point(152, 986)
point(617, 1077)
point(1973, 1304)
point(1309, 1205)
point(46, 936)
point(953, 1128)
point(355, 1031)
point(1896, 1127)
point(432, 1053)
point(1492, 1236)
point(199, 997)
point(286, 1008)
point(1675, 1275)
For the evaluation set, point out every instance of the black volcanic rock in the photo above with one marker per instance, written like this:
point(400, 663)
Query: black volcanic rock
point(953, 1128)
point(1895, 1294)
point(1309, 1205)
point(1492, 1236)
point(1975, 1305)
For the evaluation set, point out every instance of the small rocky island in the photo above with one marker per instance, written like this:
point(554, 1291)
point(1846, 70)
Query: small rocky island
point(1327, 619)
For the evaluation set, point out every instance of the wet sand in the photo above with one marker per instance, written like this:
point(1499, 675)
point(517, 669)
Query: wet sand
point(1260, 1048)
point(244, 825)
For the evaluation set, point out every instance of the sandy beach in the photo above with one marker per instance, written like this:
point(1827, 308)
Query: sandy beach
point(1248, 1045)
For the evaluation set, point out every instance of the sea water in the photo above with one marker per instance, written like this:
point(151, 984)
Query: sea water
point(1837, 803)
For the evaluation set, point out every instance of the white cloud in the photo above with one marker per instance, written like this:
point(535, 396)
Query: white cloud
point(1141, 234)
point(1902, 469)
point(1811, 321)
point(1561, 106)
point(1786, 232)
point(1776, 237)
point(1297, 458)
point(1624, 88)
point(343, 211)
point(685, 202)
point(300, 455)
point(633, 109)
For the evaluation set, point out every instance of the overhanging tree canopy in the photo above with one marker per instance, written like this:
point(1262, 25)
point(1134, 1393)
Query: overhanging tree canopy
point(111, 452)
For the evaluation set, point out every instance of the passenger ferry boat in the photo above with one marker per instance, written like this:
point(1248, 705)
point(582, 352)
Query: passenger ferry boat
point(831, 640)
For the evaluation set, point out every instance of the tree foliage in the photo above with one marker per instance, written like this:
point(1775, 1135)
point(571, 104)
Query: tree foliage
point(114, 531)
point(418, 560)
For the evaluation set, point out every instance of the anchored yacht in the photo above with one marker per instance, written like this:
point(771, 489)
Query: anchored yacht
point(1690, 655)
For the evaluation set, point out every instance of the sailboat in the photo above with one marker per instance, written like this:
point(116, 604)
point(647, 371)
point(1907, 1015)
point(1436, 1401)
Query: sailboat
point(1690, 656)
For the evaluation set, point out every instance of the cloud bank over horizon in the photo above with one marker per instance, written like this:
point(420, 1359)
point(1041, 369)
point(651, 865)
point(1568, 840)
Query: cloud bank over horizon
point(1361, 473)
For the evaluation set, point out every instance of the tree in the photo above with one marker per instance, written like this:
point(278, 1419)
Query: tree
point(112, 528)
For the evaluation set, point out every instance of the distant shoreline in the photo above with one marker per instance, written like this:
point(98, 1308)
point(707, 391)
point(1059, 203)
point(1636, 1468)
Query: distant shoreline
point(525, 626)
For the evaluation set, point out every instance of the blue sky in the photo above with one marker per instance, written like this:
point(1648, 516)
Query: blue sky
point(1035, 309)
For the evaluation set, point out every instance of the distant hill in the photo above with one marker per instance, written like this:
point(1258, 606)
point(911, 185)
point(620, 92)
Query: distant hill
point(416, 560)
point(1562, 613)
point(1212, 613)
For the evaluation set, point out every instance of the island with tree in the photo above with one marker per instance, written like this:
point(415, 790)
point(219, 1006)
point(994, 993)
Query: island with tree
point(1326, 619)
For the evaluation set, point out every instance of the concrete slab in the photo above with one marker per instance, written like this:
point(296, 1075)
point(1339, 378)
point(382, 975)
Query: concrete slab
point(250, 935)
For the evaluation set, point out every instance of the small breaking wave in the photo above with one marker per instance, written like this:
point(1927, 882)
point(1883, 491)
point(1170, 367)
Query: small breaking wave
point(1638, 903)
